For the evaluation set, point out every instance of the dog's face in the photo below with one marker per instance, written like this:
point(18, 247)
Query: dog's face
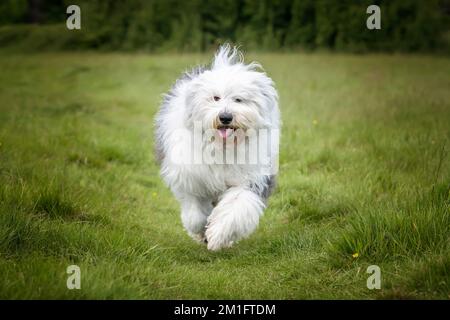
point(231, 97)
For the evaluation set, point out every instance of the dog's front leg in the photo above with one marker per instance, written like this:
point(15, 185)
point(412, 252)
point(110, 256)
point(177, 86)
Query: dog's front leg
point(235, 217)
point(194, 212)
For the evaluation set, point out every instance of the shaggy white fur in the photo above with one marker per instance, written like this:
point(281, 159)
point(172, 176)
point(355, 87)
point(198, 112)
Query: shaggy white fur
point(232, 106)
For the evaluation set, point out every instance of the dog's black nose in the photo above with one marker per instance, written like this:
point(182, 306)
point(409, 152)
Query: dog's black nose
point(225, 118)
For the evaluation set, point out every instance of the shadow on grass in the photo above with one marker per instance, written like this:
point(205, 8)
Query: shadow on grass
point(311, 204)
point(51, 204)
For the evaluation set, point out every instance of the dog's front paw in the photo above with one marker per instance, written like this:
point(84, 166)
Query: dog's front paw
point(217, 235)
point(234, 218)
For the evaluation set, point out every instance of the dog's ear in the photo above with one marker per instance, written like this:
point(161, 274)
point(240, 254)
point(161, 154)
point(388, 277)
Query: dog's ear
point(191, 100)
point(267, 90)
point(268, 99)
point(189, 103)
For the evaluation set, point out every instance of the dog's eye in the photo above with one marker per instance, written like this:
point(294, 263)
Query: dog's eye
point(216, 98)
point(238, 100)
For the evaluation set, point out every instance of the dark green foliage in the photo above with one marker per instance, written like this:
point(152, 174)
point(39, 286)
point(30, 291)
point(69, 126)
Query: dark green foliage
point(162, 25)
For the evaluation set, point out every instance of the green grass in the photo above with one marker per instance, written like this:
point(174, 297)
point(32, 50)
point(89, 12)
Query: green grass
point(364, 168)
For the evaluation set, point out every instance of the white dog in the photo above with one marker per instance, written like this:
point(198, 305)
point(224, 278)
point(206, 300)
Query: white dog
point(221, 202)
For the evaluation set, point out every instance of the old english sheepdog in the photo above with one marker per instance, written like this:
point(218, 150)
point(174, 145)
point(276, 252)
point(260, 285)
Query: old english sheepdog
point(217, 136)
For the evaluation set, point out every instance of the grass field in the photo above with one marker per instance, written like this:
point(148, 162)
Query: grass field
point(364, 180)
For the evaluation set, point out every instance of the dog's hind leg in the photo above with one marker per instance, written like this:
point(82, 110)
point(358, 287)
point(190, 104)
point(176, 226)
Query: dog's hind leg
point(194, 212)
point(235, 217)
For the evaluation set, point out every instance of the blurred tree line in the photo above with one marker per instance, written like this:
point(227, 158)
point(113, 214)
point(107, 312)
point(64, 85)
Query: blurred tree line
point(195, 25)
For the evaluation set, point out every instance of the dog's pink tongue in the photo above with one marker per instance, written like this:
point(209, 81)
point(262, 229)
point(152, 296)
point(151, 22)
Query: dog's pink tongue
point(224, 132)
